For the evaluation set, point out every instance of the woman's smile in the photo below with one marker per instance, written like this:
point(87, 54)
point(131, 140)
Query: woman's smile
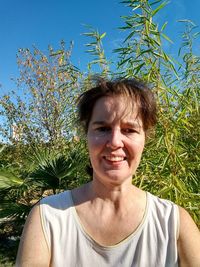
point(114, 158)
point(115, 161)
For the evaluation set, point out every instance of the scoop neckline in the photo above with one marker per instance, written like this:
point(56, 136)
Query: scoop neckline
point(122, 242)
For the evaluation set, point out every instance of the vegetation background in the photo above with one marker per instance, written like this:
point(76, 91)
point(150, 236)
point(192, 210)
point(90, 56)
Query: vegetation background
point(44, 150)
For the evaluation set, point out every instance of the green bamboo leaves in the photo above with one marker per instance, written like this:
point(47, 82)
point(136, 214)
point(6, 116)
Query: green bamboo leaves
point(142, 50)
point(173, 171)
point(95, 48)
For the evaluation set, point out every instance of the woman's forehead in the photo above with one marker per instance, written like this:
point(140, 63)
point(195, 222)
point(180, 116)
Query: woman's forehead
point(115, 107)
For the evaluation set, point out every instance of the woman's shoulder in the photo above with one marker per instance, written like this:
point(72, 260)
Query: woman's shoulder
point(163, 209)
point(61, 200)
point(160, 202)
point(189, 240)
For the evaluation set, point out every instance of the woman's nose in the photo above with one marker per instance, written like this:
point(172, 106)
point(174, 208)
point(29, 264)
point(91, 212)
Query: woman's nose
point(115, 139)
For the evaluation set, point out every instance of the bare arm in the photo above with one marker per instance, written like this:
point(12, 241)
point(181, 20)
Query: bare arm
point(33, 250)
point(188, 242)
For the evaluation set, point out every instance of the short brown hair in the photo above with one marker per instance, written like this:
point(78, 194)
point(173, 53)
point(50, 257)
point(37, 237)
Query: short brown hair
point(137, 91)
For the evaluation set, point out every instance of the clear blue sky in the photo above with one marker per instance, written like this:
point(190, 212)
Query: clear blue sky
point(43, 22)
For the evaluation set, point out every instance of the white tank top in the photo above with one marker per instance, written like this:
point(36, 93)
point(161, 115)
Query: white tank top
point(152, 244)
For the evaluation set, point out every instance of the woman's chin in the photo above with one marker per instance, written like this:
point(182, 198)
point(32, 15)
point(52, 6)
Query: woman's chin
point(114, 177)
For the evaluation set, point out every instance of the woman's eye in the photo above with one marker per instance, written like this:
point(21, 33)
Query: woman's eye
point(129, 130)
point(103, 129)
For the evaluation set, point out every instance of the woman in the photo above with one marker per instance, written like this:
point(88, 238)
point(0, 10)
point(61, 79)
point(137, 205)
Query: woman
point(109, 221)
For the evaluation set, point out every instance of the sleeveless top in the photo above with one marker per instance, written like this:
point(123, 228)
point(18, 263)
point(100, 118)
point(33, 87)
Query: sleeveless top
point(152, 244)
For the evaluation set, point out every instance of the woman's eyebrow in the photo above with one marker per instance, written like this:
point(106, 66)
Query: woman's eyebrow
point(99, 123)
point(132, 124)
point(128, 123)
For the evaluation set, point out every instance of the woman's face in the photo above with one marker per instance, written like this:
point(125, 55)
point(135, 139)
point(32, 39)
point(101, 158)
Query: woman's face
point(115, 140)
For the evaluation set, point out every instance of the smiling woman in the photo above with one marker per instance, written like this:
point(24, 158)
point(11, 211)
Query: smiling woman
point(109, 222)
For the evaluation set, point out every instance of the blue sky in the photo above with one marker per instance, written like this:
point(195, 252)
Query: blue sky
point(42, 22)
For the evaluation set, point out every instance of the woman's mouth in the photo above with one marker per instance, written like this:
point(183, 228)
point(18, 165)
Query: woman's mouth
point(114, 158)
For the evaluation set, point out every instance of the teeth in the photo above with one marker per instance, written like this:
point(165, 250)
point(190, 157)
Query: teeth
point(112, 158)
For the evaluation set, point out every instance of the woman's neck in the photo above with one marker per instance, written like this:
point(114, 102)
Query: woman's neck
point(120, 197)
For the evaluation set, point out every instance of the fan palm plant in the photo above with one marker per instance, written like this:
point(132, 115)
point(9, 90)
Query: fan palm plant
point(51, 173)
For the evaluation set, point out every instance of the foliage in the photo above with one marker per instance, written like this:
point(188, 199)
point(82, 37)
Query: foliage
point(172, 172)
point(141, 53)
point(95, 48)
point(51, 173)
point(48, 157)
point(47, 86)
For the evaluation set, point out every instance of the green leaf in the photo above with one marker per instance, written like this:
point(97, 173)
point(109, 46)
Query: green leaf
point(9, 180)
point(103, 35)
point(166, 38)
point(187, 21)
point(162, 5)
point(138, 68)
point(124, 61)
point(164, 26)
point(129, 36)
point(155, 2)
point(136, 7)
